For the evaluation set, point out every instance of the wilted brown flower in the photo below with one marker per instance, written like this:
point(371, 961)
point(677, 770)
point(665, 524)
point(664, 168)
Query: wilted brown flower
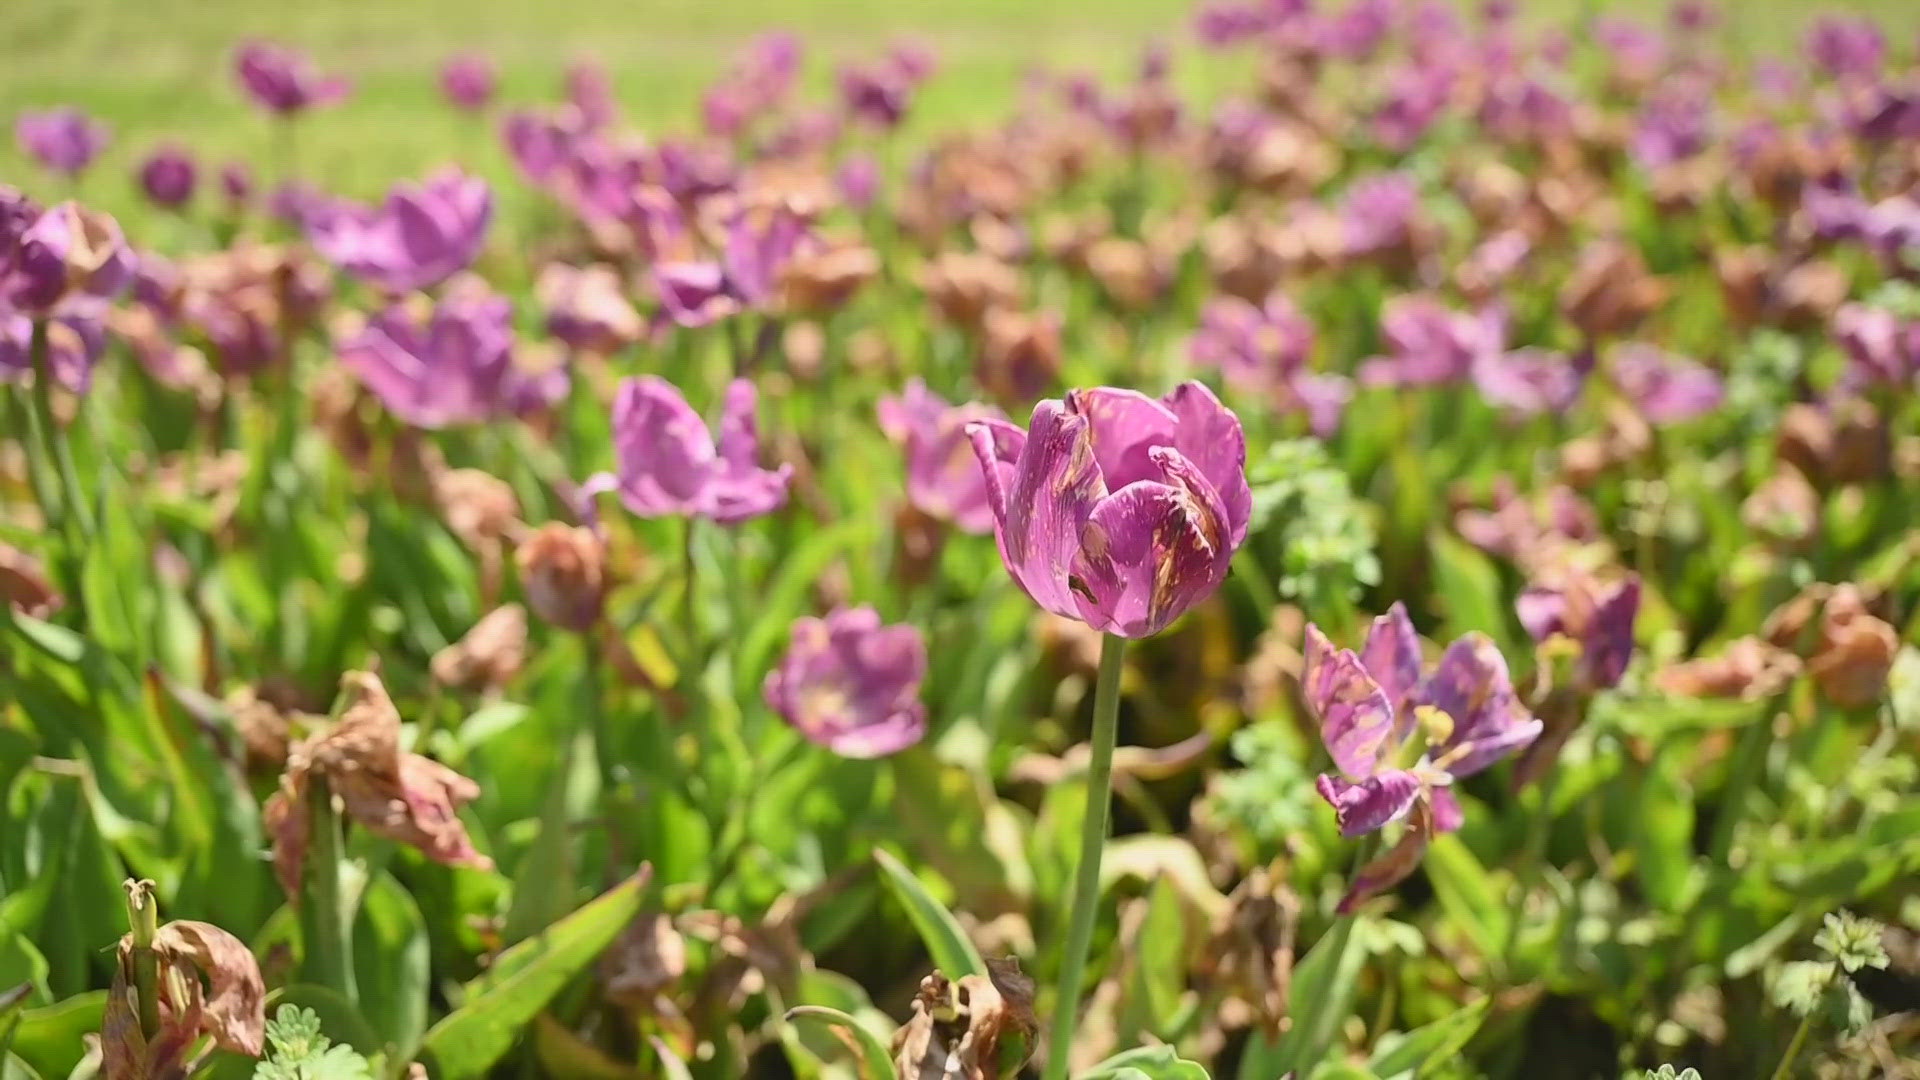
point(647, 958)
point(207, 983)
point(1129, 273)
point(1855, 650)
point(587, 307)
point(979, 1028)
point(1744, 275)
point(1535, 532)
point(1239, 258)
point(1020, 355)
point(24, 584)
point(1250, 957)
point(403, 797)
point(478, 507)
point(1610, 291)
point(1785, 506)
point(1808, 293)
point(563, 570)
point(918, 538)
point(803, 344)
point(824, 281)
point(1843, 442)
point(265, 728)
point(963, 286)
point(1748, 668)
point(490, 654)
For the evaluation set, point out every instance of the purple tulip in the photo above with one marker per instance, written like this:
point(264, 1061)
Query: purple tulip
point(64, 140)
point(943, 479)
point(541, 145)
point(759, 245)
point(1416, 96)
point(457, 368)
point(1844, 47)
point(1882, 348)
point(1530, 381)
point(858, 182)
point(694, 294)
point(1254, 348)
point(1673, 126)
point(75, 340)
point(1223, 23)
point(168, 177)
point(282, 81)
point(1430, 345)
point(1116, 509)
point(1359, 29)
point(422, 235)
point(1668, 389)
point(1399, 737)
point(669, 465)
point(1380, 212)
point(691, 171)
point(1598, 618)
point(300, 204)
point(877, 94)
point(468, 81)
point(852, 685)
point(66, 255)
point(236, 183)
point(590, 90)
point(587, 307)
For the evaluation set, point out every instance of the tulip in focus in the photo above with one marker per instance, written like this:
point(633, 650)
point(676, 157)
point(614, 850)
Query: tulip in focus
point(1117, 509)
point(422, 235)
point(1400, 737)
point(670, 464)
point(852, 685)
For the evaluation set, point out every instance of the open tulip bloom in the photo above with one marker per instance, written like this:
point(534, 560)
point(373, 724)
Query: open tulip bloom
point(422, 235)
point(852, 685)
point(1117, 509)
point(670, 465)
point(1401, 736)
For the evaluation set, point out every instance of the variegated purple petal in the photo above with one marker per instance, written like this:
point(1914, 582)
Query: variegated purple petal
point(1209, 434)
point(1542, 611)
point(1355, 716)
point(1392, 656)
point(1609, 643)
point(1122, 425)
point(1055, 486)
point(1151, 550)
point(1447, 814)
point(1372, 803)
point(1471, 685)
point(997, 446)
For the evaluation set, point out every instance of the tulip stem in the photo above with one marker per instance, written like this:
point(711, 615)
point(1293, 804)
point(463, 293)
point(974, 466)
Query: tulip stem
point(143, 918)
point(1093, 838)
point(73, 507)
point(326, 923)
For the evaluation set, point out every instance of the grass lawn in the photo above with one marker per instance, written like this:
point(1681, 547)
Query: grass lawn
point(160, 69)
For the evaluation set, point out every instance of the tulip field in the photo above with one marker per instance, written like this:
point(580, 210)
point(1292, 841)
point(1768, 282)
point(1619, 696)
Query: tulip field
point(1328, 539)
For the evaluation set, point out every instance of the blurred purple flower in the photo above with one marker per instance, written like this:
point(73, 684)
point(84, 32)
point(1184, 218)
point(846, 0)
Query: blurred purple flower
point(1522, 528)
point(1530, 381)
point(299, 204)
point(468, 81)
point(858, 181)
point(540, 144)
point(1253, 348)
point(455, 368)
point(1883, 349)
point(64, 140)
point(1400, 738)
point(943, 477)
point(587, 307)
point(1416, 96)
point(590, 90)
point(282, 80)
point(758, 83)
point(168, 177)
point(1636, 51)
point(75, 339)
point(1357, 31)
point(1667, 389)
point(1844, 46)
point(876, 94)
point(852, 685)
point(1223, 23)
point(1117, 509)
point(1380, 212)
point(1598, 617)
point(760, 242)
point(422, 235)
point(236, 183)
point(1692, 16)
point(691, 170)
point(1524, 109)
point(1429, 344)
point(693, 294)
point(670, 466)
point(65, 255)
point(1674, 125)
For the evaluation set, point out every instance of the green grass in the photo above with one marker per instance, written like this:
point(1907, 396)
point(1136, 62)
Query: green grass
point(160, 69)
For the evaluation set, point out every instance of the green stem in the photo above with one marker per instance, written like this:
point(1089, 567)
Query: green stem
point(143, 916)
point(326, 923)
point(1749, 762)
point(1538, 829)
point(73, 507)
point(611, 774)
point(1093, 838)
point(1785, 1068)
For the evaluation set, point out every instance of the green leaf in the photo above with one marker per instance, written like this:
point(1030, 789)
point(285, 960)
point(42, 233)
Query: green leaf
point(875, 1062)
point(1470, 593)
point(543, 883)
point(1466, 892)
point(392, 959)
point(471, 1038)
point(339, 1020)
point(563, 1053)
point(1324, 983)
point(48, 1038)
point(952, 953)
point(1663, 853)
point(1146, 1063)
point(1431, 1044)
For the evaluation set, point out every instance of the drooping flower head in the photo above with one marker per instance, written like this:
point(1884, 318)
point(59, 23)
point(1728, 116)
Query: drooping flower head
point(670, 465)
point(282, 81)
point(1400, 735)
point(63, 140)
point(1117, 509)
point(422, 235)
point(467, 81)
point(168, 177)
point(454, 367)
point(852, 685)
point(943, 477)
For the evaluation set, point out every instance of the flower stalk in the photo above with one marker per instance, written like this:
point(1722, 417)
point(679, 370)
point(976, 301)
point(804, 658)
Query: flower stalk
point(326, 921)
point(143, 919)
point(1093, 839)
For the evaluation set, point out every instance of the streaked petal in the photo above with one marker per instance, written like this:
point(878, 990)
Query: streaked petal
point(1056, 485)
point(1209, 434)
point(1372, 803)
point(1472, 686)
point(1392, 656)
point(1355, 716)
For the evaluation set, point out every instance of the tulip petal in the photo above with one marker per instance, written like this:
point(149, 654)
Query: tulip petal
point(1392, 656)
point(997, 445)
point(1356, 717)
point(1210, 436)
point(1471, 685)
point(1609, 644)
point(1055, 487)
point(1123, 424)
point(1392, 866)
point(1372, 803)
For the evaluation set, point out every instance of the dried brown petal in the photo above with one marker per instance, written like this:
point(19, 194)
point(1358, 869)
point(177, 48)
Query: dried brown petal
point(1251, 956)
point(563, 570)
point(1021, 354)
point(979, 1028)
point(1610, 290)
point(490, 654)
point(478, 507)
point(24, 585)
point(1749, 669)
point(1855, 652)
point(964, 286)
point(233, 1011)
point(649, 956)
point(823, 282)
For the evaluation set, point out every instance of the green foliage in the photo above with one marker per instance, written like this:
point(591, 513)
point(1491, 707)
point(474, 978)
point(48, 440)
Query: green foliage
point(1665, 1072)
point(296, 1050)
point(1308, 522)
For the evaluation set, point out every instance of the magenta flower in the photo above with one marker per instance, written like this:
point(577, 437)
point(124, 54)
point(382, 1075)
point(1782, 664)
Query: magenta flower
point(1842, 47)
point(236, 183)
point(66, 255)
point(1371, 707)
point(75, 339)
point(1416, 97)
point(852, 685)
point(1380, 213)
point(1597, 617)
point(168, 177)
point(541, 145)
point(669, 465)
point(1530, 381)
point(877, 94)
point(282, 81)
point(858, 181)
point(64, 140)
point(759, 245)
point(1253, 348)
point(422, 235)
point(1116, 509)
point(454, 368)
point(1668, 389)
point(590, 90)
point(1429, 344)
point(468, 81)
point(943, 478)
point(1882, 348)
